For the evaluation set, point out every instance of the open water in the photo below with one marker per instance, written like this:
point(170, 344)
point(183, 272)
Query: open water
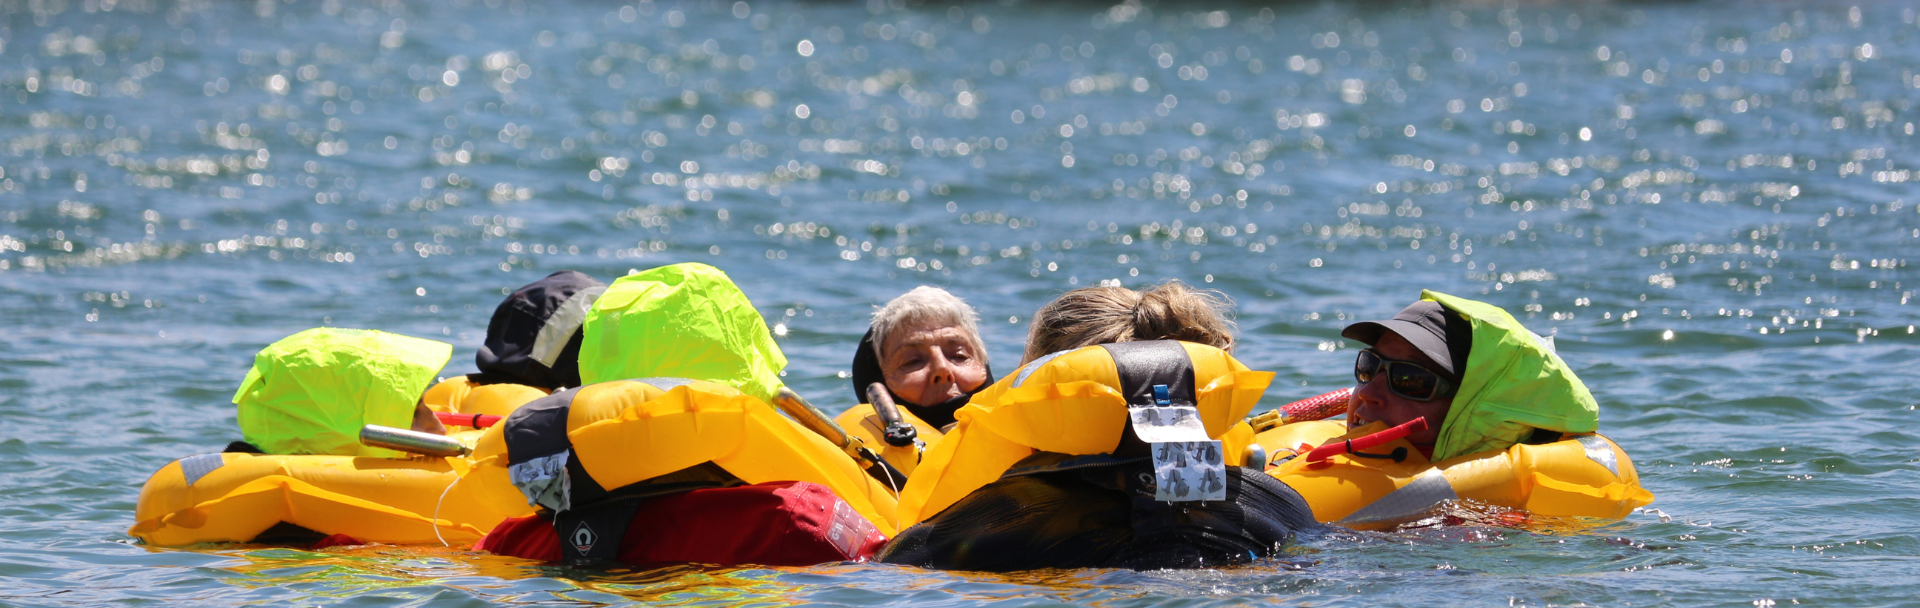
point(1710, 205)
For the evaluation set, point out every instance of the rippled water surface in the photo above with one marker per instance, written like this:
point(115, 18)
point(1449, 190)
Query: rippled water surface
point(1709, 204)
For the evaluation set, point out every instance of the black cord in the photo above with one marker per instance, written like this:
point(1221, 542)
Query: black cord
point(1399, 454)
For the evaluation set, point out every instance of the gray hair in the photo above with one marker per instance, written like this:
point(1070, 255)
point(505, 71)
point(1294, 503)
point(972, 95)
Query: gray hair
point(926, 305)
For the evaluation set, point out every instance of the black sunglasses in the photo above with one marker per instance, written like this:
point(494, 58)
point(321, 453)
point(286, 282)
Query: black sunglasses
point(1404, 378)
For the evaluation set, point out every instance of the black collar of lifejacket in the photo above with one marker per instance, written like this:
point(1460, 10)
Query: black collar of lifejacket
point(1142, 366)
point(866, 371)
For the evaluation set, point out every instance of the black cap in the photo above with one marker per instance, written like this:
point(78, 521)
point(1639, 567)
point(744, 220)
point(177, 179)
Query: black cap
point(866, 371)
point(1439, 333)
point(534, 337)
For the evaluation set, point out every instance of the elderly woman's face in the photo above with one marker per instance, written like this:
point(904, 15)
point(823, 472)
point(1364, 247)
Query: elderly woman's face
point(930, 365)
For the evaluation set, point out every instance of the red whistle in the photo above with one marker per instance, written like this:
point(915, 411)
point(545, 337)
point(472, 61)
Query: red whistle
point(1354, 445)
point(478, 421)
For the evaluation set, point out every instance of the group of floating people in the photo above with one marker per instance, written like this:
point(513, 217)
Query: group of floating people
point(644, 421)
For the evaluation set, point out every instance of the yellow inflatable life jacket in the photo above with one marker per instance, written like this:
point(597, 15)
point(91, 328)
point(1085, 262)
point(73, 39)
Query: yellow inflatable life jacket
point(234, 497)
point(861, 421)
point(460, 395)
point(1076, 402)
point(578, 446)
point(1580, 475)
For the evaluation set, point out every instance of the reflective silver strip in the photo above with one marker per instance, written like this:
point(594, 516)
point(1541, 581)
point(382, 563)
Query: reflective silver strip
point(196, 467)
point(566, 321)
point(1601, 451)
point(849, 530)
point(1408, 503)
point(665, 384)
point(1028, 370)
point(1546, 342)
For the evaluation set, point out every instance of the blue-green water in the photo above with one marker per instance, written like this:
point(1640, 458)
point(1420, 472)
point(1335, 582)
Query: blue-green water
point(1710, 207)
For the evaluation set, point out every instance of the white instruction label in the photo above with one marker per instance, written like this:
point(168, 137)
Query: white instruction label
point(544, 481)
point(1187, 465)
point(1189, 471)
point(1168, 423)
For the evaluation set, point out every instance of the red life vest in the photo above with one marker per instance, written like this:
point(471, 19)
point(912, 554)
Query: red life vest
point(782, 523)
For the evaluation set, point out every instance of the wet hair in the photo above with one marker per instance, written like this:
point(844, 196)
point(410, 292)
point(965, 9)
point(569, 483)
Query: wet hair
point(1110, 314)
point(926, 305)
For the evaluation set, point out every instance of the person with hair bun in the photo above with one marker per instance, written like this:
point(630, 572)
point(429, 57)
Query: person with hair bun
point(1113, 314)
point(1046, 470)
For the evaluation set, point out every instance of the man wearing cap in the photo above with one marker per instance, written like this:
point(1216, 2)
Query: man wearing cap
point(1482, 381)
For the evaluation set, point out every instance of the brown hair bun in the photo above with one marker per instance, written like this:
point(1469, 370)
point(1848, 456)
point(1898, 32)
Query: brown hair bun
point(1110, 314)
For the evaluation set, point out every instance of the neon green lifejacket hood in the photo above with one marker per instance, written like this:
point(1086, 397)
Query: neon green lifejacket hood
point(680, 321)
point(1513, 384)
point(311, 392)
